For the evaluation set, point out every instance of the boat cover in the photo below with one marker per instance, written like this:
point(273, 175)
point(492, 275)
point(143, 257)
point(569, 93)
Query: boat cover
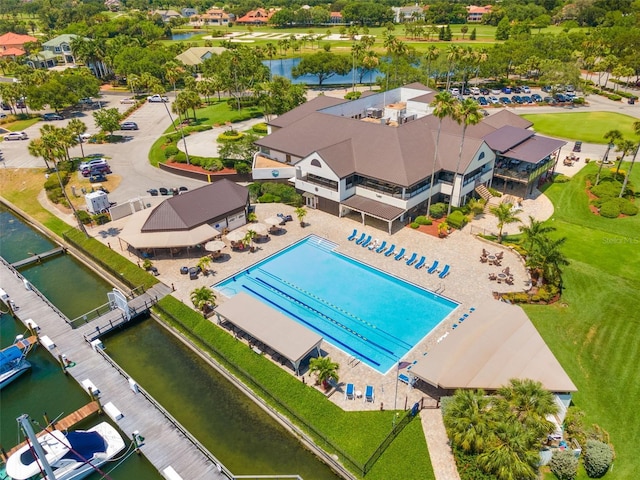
point(84, 445)
point(10, 354)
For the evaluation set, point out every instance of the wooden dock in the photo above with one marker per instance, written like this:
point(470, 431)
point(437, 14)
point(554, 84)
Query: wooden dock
point(66, 423)
point(37, 258)
point(166, 444)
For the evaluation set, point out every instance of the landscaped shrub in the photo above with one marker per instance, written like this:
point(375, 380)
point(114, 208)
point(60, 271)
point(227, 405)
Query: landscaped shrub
point(517, 297)
point(414, 225)
point(579, 101)
point(548, 292)
point(597, 458)
point(627, 208)
point(230, 136)
point(457, 219)
point(268, 198)
point(438, 210)
point(55, 195)
point(353, 95)
point(561, 179)
point(614, 97)
point(170, 151)
point(607, 188)
point(101, 218)
point(84, 217)
point(286, 193)
point(260, 128)
point(564, 464)
point(494, 192)
point(423, 220)
point(610, 209)
point(242, 167)
point(52, 182)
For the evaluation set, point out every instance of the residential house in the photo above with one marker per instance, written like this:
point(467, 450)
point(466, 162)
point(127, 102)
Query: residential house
point(407, 14)
point(44, 59)
point(256, 17)
point(336, 18)
point(475, 13)
point(194, 56)
point(189, 12)
point(166, 15)
point(212, 17)
point(12, 44)
point(112, 5)
point(374, 155)
point(60, 46)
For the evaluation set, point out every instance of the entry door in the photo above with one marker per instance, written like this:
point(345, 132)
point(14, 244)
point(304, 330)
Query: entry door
point(311, 201)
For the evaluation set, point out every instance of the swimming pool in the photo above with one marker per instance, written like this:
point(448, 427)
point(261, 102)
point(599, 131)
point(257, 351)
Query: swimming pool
point(373, 316)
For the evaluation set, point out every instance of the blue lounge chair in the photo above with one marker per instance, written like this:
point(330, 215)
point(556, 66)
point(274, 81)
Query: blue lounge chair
point(368, 394)
point(367, 241)
point(420, 264)
point(353, 235)
point(361, 239)
point(400, 254)
point(391, 250)
point(444, 272)
point(433, 267)
point(349, 392)
point(408, 379)
point(412, 260)
point(382, 247)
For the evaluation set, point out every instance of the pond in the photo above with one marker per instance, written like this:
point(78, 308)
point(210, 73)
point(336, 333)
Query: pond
point(183, 35)
point(283, 67)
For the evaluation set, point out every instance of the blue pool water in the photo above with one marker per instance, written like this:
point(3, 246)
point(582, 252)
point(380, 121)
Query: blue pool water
point(369, 314)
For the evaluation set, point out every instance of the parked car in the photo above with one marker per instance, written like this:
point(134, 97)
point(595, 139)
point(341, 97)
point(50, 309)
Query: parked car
point(3, 115)
point(494, 100)
point(85, 137)
point(466, 91)
point(86, 101)
point(96, 170)
point(549, 100)
point(546, 88)
point(129, 126)
point(52, 116)
point(475, 91)
point(569, 88)
point(483, 101)
point(516, 90)
point(506, 90)
point(128, 100)
point(517, 99)
point(157, 98)
point(455, 92)
point(577, 147)
point(560, 98)
point(496, 91)
point(505, 100)
point(526, 89)
point(526, 99)
point(484, 91)
point(536, 98)
point(92, 163)
point(21, 104)
point(16, 136)
point(6, 106)
point(98, 178)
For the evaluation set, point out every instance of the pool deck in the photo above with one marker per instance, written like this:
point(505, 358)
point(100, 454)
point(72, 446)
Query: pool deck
point(467, 284)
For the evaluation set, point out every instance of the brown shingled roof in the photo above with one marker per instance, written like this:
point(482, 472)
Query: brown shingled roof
point(197, 207)
point(505, 117)
point(535, 149)
point(507, 137)
point(305, 109)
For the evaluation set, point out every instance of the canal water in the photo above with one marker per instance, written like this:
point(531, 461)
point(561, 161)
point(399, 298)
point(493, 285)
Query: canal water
point(227, 423)
point(283, 67)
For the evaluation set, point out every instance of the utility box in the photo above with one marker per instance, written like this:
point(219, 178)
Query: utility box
point(97, 201)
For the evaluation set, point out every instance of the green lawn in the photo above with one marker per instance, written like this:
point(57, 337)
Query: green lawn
point(20, 125)
point(593, 330)
point(585, 126)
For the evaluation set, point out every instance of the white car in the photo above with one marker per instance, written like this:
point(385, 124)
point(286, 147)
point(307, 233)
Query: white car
point(157, 98)
point(16, 136)
point(85, 137)
point(92, 163)
point(526, 89)
point(475, 91)
point(128, 100)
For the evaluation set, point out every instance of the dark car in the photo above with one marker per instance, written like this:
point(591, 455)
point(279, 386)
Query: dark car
point(517, 90)
point(484, 91)
point(560, 98)
point(52, 116)
point(546, 88)
point(466, 91)
point(129, 126)
point(21, 104)
point(526, 99)
point(95, 170)
point(517, 99)
point(549, 100)
point(483, 101)
point(577, 146)
point(536, 98)
point(100, 177)
point(6, 106)
point(505, 100)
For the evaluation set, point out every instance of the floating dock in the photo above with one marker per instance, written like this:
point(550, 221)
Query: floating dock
point(39, 257)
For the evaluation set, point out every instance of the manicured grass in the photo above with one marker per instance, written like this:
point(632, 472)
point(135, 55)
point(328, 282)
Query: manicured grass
point(358, 434)
point(585, 126)
point(593, 330)
point(19, 125)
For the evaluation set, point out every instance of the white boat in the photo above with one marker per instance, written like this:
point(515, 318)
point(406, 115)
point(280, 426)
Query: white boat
point(67, 456)
point(13, 360)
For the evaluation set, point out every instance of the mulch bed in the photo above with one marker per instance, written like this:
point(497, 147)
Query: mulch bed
point(429, 229)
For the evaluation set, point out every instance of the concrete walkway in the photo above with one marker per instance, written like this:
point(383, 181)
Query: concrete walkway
point(444, 465)
point(204, 144)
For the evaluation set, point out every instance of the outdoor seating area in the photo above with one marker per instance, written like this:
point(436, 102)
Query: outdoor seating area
point(414, 260)
point(569, 160)
point(496, 260)
point(492, 258)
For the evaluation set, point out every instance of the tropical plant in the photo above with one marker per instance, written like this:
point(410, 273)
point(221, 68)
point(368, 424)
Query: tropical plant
point(533, 232)
point(511, 454)
point(465, 113)
point(468, 420)
point(204, 263)
point(203, 298)
point(548, 259)
point(505, 215)
point(301, 212)
point(597, 458)
point(636, 128)
point(77, 127)
point(248, 238)
point(612, 136)
point(443, 106)
point(564, 464)
point(325, 370)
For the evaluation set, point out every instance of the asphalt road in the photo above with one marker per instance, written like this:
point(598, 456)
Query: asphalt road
point(129, 159)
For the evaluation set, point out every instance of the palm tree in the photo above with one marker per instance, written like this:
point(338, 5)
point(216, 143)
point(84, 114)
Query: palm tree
point(454, 53)
point(38, 148)
point(534, 231)
point(430, 55)
point(468, 420)
point(530, 404)
point(636, 128)
point(511, 456)
point(301, 212)
point(624, 147)
point(443, 106)
point(325, 369)
point(612, 136)
point(77, 127)
point(505, 215)
point(467, 113)
point(548, 258)
point(203, 298)
point(204, 263)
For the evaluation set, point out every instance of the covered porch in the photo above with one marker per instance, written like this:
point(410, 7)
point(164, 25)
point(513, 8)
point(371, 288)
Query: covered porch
point(286, 337)
point(371, 208)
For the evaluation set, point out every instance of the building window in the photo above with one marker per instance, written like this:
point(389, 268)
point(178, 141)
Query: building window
point(57, 49)
point(316, 163)
point(481, 156)
point(265, 151)
point(323, 182)
point(288, 158)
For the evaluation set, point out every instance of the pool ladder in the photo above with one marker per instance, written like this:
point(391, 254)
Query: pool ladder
point(440, 288)
point(353, 361)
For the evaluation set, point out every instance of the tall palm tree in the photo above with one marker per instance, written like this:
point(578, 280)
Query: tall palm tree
point(466, 113)
point(325, 370)
point(533, 232)
point(173, 72)
point(636, 128)
point(454, 53)
point(511, 456)
point(37, 148)
point(530, 404)
point(432, 53)
point(624, 146)
point(443, 106)
point(505, 215)
point(549, 259)
point(203, 298)
point(612, 136)
point(468, 420)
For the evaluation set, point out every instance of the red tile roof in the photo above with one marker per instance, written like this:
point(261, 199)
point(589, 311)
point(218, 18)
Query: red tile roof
point(14, 39)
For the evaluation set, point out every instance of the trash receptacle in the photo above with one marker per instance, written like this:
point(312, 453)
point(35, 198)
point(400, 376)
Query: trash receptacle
point(632, 101)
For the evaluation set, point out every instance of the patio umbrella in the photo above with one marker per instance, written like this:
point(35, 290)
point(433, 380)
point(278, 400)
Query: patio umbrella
point(273, 220)
point(259, 228)
point(236, 235)
point(214, 246)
